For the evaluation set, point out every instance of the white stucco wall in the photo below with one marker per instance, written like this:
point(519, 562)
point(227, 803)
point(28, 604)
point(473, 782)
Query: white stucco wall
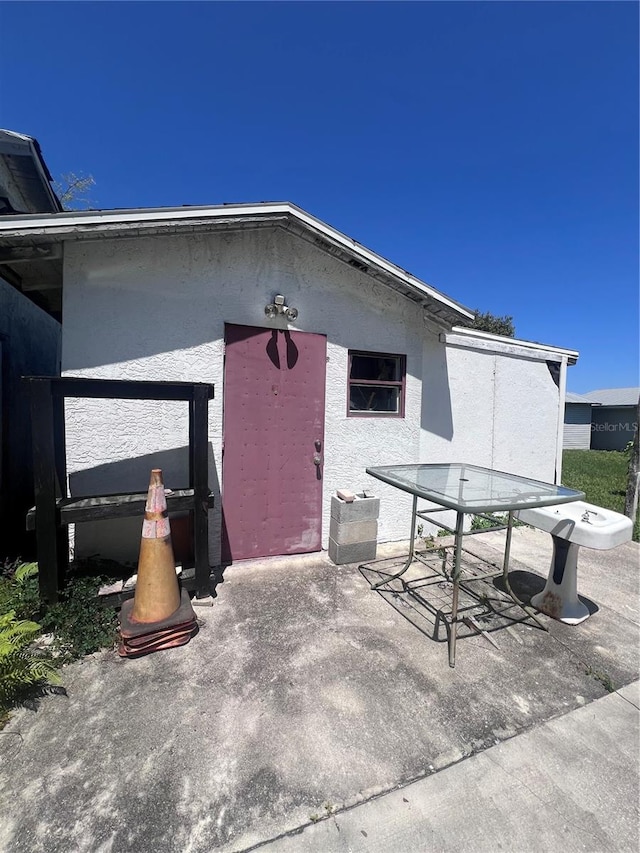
point(155, 308)
point(503, 413)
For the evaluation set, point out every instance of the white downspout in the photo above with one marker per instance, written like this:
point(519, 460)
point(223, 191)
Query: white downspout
point(562, 391)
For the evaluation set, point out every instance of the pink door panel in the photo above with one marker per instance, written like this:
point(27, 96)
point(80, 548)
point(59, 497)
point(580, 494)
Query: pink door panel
point(274, 386)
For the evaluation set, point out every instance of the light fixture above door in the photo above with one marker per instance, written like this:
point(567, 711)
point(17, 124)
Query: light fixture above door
point(278, 308)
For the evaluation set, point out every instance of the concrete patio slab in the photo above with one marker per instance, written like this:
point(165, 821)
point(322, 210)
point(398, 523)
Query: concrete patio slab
point(570, 784)
point(304, 693)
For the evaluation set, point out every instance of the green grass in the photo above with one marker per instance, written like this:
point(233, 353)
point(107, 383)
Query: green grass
point(601, 475)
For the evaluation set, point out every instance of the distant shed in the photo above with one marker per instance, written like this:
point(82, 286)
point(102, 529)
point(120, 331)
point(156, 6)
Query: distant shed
point(577, 421)
point(614, 419)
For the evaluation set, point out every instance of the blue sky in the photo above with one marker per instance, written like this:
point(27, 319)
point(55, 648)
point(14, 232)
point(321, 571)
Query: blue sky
point(489, 148)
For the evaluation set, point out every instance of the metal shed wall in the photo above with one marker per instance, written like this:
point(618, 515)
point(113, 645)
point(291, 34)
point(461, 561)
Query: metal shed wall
point(577, 426)
point(613, 427)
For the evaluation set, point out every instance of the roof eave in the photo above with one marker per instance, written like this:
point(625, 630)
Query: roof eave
point(503, 342)
point(95, 225)
point(42, 170)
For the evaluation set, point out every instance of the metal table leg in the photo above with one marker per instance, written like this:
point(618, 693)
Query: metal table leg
point(457, 568)
point(505, 576)
point(409, 559)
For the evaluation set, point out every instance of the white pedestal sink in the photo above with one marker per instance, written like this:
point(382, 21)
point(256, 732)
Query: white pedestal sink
point(572, 525)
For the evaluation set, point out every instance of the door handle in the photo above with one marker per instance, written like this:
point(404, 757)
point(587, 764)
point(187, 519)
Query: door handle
point(317, 459)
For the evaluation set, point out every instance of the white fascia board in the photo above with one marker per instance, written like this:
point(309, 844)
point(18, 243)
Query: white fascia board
point(473, 339)
point(58, 226)
point(371, 257)
point(132, 216)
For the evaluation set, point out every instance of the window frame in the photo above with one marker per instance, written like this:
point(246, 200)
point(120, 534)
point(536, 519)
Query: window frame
point(377, 383)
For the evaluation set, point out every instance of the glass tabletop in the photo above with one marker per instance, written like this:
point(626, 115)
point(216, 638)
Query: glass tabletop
point(470, 488)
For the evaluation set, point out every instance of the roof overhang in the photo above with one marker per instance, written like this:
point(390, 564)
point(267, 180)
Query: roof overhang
point(474, 339)
point(572, 399)
point(25, 181)
point(26, 239)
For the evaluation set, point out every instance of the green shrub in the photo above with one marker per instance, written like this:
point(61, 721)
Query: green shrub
point(19, 590)
point(488, 523)
point(493, 520)
point(79, 622)
point(21, 667)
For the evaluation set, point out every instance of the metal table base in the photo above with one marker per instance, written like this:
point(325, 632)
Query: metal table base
point(452, 622)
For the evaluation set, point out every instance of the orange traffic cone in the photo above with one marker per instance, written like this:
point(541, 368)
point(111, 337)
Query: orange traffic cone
point(160, 616)
point(157, 592)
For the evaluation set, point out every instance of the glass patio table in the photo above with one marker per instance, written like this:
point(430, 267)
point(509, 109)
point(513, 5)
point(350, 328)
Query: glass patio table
point(468, 490)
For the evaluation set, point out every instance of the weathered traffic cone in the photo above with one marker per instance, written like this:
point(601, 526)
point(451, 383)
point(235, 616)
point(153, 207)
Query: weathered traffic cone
point(160, 616)
point(157, 593)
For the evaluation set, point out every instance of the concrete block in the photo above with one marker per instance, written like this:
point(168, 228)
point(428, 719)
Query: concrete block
point(207, 601)
point(361, 509)
point(356, 552)
point(111, 589)
point(348, 532)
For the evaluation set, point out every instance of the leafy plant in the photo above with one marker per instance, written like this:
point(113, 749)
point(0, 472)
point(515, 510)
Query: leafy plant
point(603, 677)
point(485, 321)
point(479, 522)
point(490, 521)
point(20, 666)
point(79, 622)
point(19, 590)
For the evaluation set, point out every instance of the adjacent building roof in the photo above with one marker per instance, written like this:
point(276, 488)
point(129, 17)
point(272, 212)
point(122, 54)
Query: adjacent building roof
point(25, 182)
point(570, 397)
point(615, 396)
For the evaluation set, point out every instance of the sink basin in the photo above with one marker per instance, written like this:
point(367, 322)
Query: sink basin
point(604, 528)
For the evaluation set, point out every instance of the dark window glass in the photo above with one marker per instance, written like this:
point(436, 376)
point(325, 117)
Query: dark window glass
point(376, 367)
point(367, 398)
point(376, 384)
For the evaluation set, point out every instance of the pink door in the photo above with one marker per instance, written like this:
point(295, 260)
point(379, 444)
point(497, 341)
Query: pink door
point(274, 385)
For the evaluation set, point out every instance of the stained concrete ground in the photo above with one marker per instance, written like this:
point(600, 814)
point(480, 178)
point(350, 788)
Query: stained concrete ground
point(313, 713)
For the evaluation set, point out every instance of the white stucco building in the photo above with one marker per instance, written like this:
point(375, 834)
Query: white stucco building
point(372, 370)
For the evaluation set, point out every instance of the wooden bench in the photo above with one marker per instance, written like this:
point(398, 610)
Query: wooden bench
point(54, 510)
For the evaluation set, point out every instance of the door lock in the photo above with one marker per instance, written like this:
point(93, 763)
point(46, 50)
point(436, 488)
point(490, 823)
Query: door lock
point(317, 459)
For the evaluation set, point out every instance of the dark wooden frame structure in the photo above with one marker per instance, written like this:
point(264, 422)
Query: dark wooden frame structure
point(54, 509)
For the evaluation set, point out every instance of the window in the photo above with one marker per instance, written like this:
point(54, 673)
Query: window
point(376, 385)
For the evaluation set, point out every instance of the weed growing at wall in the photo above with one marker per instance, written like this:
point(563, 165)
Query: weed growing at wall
point(77, 625)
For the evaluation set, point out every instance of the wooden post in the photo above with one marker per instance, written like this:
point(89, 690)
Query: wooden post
point(198, 471)
point(631, 501)
point(44, 479)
